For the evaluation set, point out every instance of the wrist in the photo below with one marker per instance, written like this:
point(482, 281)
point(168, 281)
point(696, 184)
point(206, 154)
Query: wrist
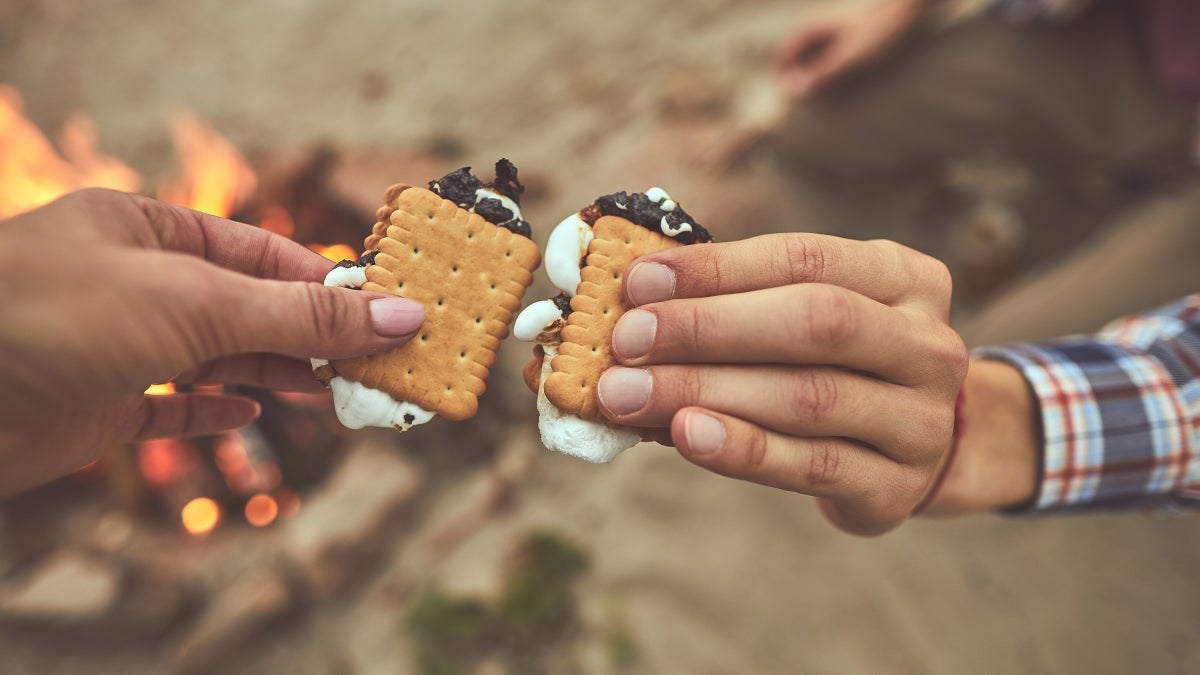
point(998, 455)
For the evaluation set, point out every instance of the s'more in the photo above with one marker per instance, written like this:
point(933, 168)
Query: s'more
point(462, 250)
point(586, 257)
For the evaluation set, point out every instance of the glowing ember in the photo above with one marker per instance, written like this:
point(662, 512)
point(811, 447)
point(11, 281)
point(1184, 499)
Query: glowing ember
point(261, 510)
point(32, 173)
point(336, 253)
point(161, 389)
point(200, 516)
point(163, 461)
point(214, 178)
point(276, 219)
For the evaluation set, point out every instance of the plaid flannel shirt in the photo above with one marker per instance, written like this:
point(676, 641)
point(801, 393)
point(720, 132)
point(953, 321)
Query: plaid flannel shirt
point(1120, 412)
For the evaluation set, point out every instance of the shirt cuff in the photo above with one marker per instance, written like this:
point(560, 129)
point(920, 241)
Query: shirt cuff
point(1115, 432)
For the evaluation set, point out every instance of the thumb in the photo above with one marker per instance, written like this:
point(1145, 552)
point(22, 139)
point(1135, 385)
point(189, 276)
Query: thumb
point(305, 319)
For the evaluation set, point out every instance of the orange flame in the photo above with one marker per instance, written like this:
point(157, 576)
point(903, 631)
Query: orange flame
point(161, 389)
point(261, 510)
point(32, 173)
point(162, 461)
point(336, 253)
point(214, 177)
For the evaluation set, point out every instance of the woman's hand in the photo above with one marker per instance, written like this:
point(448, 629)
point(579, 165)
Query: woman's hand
point(804, 362)
point(104, 293)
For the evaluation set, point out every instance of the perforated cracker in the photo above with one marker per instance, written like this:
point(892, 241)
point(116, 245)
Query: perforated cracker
point(586, 351)
point(469, 275)
point(383, 216)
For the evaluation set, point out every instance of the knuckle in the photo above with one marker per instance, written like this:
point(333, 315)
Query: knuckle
point(824, 464)
point(938, 275)
point(755, 455)
point(805, 258)
point(812, 396)
point(687, 388)
point(695, 325)
point(268, 260)
point(708, 266)
point(827, 316)
point(92, 197)
point(956, 357)
point(327, 311)
point(910, 486)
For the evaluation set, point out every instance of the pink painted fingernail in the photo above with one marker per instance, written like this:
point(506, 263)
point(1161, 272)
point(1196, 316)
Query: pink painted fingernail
point(395, 317)
point(705, 434)
point(624, 390)
point(634, 334)
point(650, 282)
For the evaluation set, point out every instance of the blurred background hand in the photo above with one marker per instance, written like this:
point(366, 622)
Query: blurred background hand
point(835, 40)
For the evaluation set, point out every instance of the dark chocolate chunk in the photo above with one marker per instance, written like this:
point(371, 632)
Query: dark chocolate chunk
point(590, 213)
point(637, 208)
point(461, 186)
point(409, 418)
point(365, 259)
point(457, 186)
point(518, 226)
point(563, 303)
point(493, 211)
point(506, 182)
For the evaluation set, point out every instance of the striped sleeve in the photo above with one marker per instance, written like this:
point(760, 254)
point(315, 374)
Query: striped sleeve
point(1120, 412)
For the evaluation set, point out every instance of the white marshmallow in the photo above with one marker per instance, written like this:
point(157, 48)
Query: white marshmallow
point(356, 404)
point(569, 434)
point(565, 249)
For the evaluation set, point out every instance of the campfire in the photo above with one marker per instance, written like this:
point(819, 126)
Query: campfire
point(251, 477)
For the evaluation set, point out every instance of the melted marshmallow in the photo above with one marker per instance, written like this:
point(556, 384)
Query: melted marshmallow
point(595, 442)
point(347, 277)
point(356, 404)
point(565, 249)
point(569, 434)
point(536, 319)
point(657, 194)
point(673, 231)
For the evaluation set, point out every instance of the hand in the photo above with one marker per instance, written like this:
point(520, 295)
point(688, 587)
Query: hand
point(104, 293)
point(804, 362)
point(835, 41)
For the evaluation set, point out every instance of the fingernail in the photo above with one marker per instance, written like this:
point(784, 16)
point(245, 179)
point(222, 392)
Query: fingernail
point(624, 390)
point(634, 334)
point(705, 434)
point(395, 317)
point(650, 282)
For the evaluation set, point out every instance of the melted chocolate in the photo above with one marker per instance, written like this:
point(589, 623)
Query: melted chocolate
point(460, 187)
point(493, 211)
point(457, 186)
point(365, 259)
point(506, 182)
point(637, 208)
point(563, 303)
point(520, 227)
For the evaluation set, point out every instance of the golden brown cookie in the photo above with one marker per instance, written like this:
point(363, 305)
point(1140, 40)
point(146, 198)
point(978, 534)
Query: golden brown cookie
point(586, 351)
point(468, 274)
